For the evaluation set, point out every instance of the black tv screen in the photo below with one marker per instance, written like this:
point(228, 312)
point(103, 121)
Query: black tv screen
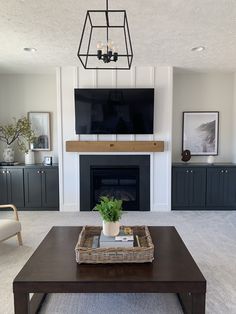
point(114, 111)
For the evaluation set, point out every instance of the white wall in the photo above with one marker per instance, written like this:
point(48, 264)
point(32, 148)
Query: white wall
point(234, 119)
point(160, 78)
point(20, 93)
point(203, 92)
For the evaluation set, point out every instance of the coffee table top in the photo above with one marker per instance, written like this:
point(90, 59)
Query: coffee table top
point(54, 262)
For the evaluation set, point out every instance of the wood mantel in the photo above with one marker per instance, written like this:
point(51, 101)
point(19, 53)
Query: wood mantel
point(114, 146)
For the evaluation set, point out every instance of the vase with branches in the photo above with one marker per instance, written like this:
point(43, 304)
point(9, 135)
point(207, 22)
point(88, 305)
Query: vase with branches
point(18, 132)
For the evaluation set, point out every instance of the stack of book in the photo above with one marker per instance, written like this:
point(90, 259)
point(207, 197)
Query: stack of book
point(121, 240)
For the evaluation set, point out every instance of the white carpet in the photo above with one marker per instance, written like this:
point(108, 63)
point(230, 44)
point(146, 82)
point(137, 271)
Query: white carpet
point(209, 236)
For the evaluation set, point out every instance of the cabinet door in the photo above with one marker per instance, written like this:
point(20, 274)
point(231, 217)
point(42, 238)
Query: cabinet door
point(197, 187)
point(15, 187)
point(180, 182)
point(215, 187)
point(33, 188)
point(230, 187)
point(3, 187)
point(50, 188)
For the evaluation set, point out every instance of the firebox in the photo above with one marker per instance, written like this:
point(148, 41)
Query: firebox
point(125, 177)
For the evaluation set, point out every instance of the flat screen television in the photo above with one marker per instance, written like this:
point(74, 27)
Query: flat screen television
point(114, 111)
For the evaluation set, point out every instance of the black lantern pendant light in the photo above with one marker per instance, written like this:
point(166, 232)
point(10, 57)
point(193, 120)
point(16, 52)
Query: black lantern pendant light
point(105, 41)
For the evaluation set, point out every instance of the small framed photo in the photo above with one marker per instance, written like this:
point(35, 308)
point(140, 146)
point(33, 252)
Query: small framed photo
point(47, 161)
point(200, 132)
point(40, 124)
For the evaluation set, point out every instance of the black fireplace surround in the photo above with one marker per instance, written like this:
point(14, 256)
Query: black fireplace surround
point(125, 177)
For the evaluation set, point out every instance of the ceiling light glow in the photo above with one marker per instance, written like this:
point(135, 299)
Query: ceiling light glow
point(198, 48)
point(29, 49)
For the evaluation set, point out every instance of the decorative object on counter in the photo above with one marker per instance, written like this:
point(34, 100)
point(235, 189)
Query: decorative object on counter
point(186, 155)
point(200, 132)
point(40, 122)
point(88, 252)
point(29, 157)
point(111, 211)
point(210, 159)
point(8, 154)
point(47, 161)
point(20, 133)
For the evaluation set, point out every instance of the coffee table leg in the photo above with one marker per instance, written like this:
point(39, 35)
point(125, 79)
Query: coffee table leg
point(21, 303)
point(192, 303)
point(198, 303)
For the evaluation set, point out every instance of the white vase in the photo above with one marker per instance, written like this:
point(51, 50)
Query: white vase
point(110, 229)
point(210, 159)
point(29, 157)
point(8, 154)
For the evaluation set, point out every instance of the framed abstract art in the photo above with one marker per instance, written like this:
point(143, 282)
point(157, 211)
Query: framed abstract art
point(200, 132)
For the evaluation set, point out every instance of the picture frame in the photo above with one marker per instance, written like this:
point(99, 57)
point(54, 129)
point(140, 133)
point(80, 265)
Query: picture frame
point(47, 160)
point(200, 132)
point(40, 124)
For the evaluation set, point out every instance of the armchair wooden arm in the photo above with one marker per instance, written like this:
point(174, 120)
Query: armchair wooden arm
point(16, 217)
point(12, 207)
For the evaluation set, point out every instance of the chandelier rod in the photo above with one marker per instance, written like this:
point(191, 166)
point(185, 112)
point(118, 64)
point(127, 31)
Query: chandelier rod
point(107, 19)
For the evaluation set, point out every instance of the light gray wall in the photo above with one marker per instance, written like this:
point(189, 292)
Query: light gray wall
point(203, 92)
point(21, 93)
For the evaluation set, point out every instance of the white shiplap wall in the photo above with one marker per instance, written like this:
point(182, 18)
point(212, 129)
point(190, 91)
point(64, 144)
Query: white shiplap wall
point(161, 78)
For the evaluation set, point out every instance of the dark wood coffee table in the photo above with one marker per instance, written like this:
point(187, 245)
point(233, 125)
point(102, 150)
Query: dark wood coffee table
point(53, 269)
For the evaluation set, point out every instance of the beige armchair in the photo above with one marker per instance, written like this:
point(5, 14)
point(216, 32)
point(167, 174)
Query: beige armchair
point(10, 227)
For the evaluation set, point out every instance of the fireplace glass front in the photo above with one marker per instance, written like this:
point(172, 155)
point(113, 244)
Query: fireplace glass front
point(119, 182)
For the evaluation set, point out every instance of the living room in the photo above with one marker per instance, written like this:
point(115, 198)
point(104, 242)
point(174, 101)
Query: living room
point(190, 71)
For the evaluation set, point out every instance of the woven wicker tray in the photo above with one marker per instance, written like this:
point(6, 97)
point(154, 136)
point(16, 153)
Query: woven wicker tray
point(137, 254)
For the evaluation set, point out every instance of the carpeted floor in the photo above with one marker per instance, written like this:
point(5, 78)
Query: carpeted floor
point(209, 236)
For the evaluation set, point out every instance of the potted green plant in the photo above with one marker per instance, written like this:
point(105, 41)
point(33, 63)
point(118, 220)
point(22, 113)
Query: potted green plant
point(111, 211)
point(20, 133)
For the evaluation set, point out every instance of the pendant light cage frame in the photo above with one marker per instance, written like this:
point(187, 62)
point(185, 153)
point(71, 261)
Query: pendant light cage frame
point(84, 51)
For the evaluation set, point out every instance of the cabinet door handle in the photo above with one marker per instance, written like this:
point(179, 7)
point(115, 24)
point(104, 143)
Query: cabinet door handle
point(42, 171)
point(187, 171)
point(3, 172)
point(191, 171)
point(222, 171)
point(38, 172)
point(8, 171)
point(226, 171)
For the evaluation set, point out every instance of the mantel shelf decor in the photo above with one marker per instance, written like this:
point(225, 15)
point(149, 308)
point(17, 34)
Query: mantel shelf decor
point(115, 146)
point(105, 42)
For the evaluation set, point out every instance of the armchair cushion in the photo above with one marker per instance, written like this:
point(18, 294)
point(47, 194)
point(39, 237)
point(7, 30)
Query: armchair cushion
point(8, 228)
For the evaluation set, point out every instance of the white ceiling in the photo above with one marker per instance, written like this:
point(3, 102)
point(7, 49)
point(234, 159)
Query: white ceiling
point(162, 31)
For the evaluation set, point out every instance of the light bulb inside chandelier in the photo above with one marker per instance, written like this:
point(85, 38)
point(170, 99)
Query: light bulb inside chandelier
point(107, 52)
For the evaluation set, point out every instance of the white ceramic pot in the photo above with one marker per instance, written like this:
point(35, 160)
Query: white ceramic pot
point(29, 157)
point(8, 154)
point(210, 159)
point(110, 229)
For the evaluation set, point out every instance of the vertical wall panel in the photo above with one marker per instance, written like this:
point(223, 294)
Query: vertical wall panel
point(67, 124)
point(124, 79)
point(144, 76)
point(163, 131)
point(161, 79)
point(105, 78)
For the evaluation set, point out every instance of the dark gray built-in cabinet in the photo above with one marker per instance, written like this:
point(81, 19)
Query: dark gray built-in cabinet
point(33, 187)
point(12, 186)
point(203, 186)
